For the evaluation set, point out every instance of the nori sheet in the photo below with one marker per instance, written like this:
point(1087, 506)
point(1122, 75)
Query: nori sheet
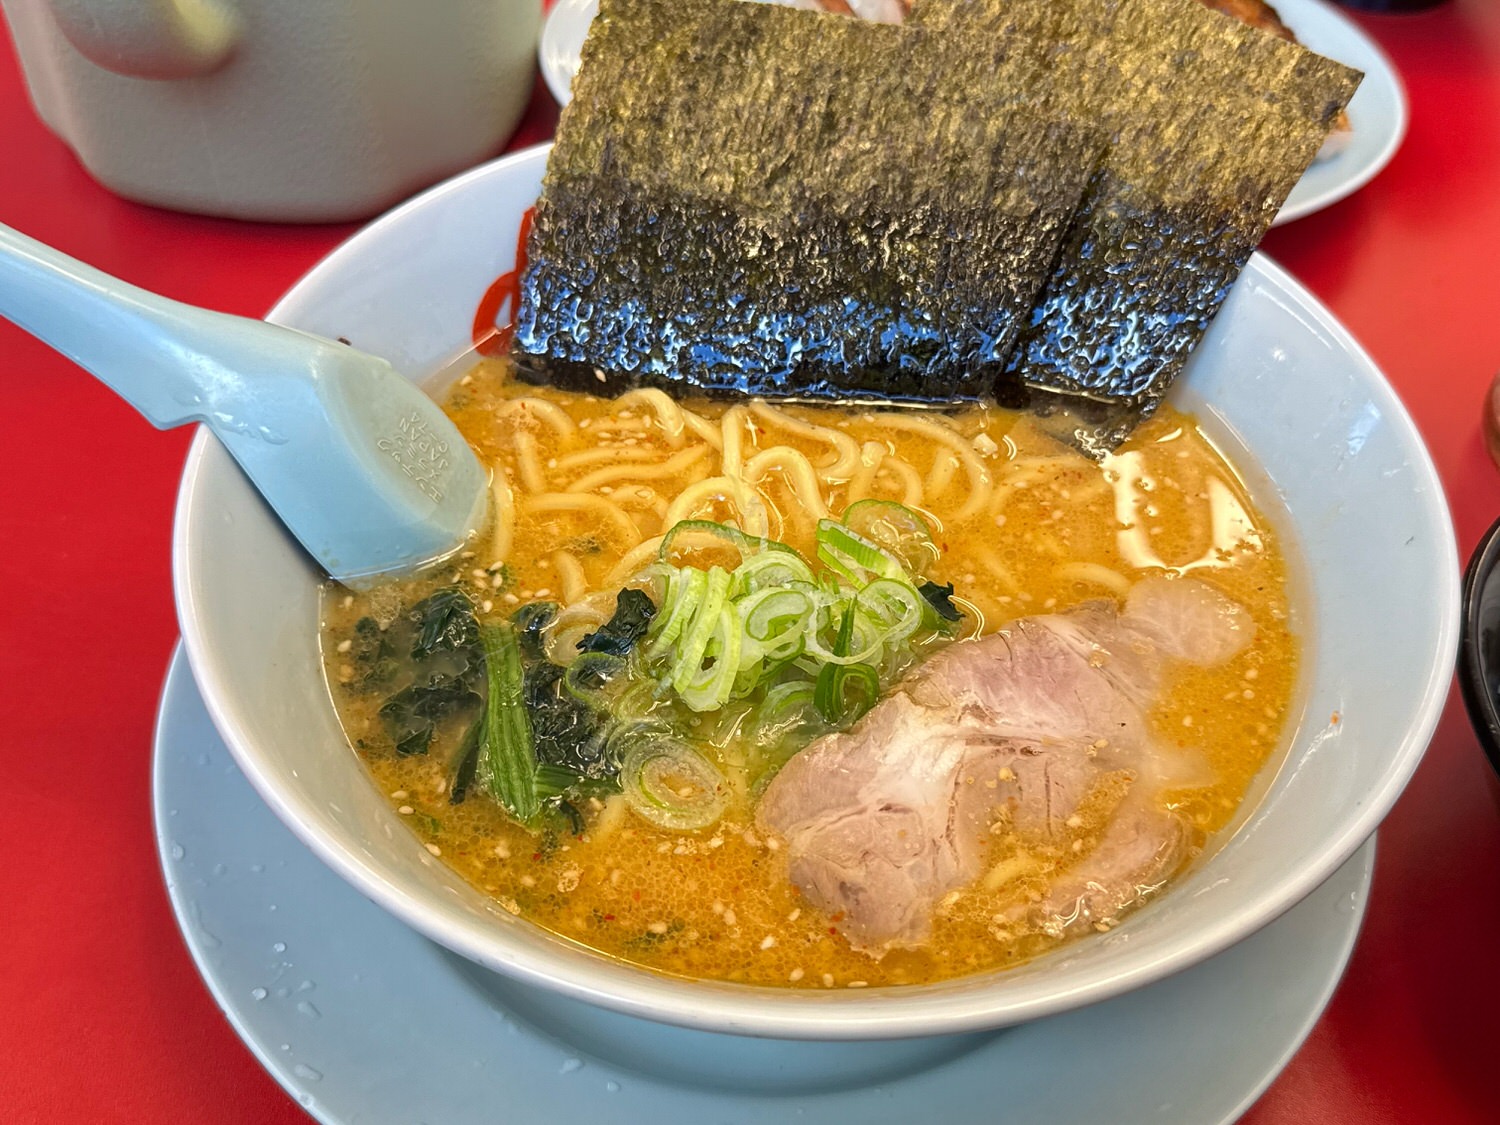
point(1211, 124)
point(753, 199)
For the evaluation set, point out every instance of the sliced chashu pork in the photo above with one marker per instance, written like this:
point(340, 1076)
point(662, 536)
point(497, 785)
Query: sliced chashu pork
point(881, 821)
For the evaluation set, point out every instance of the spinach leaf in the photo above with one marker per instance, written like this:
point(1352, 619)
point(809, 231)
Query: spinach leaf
point(507, 759)
point(565, 731)
point(940, 598)
point(468, 763)
point(529, 622)
point(447, 669)
point(371, 655)
point(411, 715)
point(445, 623)
point(617, 636)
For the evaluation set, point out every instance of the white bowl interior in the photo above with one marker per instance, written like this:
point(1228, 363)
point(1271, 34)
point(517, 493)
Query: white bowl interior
point(1275, 374)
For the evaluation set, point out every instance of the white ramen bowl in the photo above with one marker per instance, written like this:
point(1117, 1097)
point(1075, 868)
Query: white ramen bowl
point(1327, 441)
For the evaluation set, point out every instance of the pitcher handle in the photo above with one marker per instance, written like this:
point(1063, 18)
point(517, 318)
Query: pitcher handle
point(151, 38)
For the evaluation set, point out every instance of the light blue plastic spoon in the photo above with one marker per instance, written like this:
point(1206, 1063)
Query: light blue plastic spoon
point(363, 468)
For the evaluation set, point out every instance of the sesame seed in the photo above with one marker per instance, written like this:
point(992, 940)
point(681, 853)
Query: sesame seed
point(527, 881)
point(544, 592)
point(859, 984)
point(827, 980)
point(729, 917)
point(348, 600)
point(434, 849)
point(406, 810)
point(716, 842)
point(486, 606)
point(794, 976)
point(718, 907)
point(502, 852)
point(767, 942)
point(657, 927)
point(1074, 821)
point(400, 795)
point(794, 915)
point(345, 646)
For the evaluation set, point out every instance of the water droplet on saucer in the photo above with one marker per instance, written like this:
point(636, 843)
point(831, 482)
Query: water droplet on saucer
point(258, 993)
point(612, 1086)
point(302, 1070)
point(178, 851)
point(279, 947)
point(570, 1065)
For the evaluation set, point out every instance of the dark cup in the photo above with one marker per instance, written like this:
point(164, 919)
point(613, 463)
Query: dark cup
point(1479, 646)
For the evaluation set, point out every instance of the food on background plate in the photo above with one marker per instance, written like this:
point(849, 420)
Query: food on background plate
point(837, 693)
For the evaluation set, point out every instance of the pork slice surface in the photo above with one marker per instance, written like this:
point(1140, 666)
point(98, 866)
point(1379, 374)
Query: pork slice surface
point(883, 820)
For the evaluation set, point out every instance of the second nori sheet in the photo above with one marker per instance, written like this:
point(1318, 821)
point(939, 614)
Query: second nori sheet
point(769, 201)
point(1211, 124)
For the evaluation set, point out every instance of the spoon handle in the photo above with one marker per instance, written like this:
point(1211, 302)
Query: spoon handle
point(172, 362)
point(363, 468)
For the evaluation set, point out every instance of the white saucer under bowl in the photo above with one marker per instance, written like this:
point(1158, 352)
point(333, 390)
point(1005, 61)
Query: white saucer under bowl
point(1378, 110)
point(362, 1019)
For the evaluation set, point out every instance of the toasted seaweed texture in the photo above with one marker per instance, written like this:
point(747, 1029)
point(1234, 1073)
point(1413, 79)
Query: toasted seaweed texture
point(1211, 123)
point(1046, 201)
point(753, 199)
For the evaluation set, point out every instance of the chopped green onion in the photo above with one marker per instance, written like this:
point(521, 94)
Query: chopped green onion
point(700, 534)
point(896, 529)
point(709, 686)
point(685, 589)
point(895, 607)
point(670, 784)
point(707, 618)
point(776, 620)
point(771, 570)
point(594, 678)
point(830, 694)
point(721, 635)
point(854, 557)
point(507, 756)
point(832, 697)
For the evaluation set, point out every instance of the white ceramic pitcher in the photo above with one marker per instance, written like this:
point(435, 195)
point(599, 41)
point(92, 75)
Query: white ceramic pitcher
point(292, 110)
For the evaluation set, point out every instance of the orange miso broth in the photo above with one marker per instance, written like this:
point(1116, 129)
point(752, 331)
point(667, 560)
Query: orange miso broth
point(1021, 526)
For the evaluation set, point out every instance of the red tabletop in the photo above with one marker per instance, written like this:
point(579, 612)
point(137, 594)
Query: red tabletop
point(103, 1017)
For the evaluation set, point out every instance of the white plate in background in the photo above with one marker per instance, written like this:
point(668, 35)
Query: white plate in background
point(1377, 111)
